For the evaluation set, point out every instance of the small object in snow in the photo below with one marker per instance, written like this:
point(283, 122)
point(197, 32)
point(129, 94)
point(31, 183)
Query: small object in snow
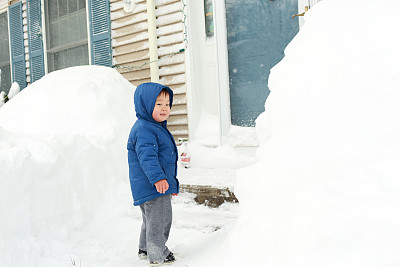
point(184, 155)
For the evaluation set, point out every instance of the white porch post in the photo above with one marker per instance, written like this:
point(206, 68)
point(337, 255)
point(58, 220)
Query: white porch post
point(153, 48)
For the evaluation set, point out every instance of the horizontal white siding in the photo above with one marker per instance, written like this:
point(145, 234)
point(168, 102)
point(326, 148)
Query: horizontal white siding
point(130, 41)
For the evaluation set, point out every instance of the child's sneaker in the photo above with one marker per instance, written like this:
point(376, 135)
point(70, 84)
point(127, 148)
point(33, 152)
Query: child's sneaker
point(168, 260)
point(142, 254)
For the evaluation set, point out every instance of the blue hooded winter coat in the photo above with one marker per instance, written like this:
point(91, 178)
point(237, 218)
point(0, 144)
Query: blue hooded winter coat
point(152, 152)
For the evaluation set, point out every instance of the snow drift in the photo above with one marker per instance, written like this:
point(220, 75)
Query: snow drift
point(326, 188)
point(62, 151)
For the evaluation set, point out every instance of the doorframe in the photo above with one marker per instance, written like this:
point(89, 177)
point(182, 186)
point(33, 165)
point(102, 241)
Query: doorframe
point(222, 68)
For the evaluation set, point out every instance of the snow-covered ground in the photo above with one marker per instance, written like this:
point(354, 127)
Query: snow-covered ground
point(325, 190)
point(65, 196)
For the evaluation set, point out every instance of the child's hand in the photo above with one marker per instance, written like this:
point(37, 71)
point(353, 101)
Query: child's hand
point(162, 186)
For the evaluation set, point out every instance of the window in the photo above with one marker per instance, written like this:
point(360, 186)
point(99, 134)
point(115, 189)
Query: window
point(208, 13)
point(5, 80)
point(67, 39)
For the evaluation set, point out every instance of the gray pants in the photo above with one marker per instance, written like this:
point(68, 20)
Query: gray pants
point(157, 220)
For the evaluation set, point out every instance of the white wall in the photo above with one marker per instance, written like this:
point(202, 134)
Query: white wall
point(203, 84)
point(3, 5)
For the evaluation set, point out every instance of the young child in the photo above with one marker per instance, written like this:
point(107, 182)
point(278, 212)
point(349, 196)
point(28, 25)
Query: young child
point(152, 158)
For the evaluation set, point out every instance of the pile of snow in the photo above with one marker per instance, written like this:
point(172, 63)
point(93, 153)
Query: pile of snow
point(326, 188)
point(324, 192)
point(62, 162)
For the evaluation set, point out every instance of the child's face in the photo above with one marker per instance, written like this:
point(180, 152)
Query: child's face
point(162, 107)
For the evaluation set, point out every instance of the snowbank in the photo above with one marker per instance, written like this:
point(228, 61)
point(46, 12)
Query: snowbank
point(325, 191)
point(326, 188)
point(62, 151)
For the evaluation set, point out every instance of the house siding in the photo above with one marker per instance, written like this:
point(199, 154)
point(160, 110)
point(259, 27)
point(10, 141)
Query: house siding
point(130, 41)
point(131, 55)
point(172, 69)
point(3, 5)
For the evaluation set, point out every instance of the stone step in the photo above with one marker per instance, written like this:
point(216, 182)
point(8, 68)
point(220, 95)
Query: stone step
point(210, 196)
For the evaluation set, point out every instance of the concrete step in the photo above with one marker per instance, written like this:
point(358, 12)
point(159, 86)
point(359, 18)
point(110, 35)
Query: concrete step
point(209, 195)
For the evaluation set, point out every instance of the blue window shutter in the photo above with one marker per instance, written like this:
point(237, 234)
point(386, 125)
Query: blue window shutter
point(100, 32)
point(17, 44)
point(36, 57)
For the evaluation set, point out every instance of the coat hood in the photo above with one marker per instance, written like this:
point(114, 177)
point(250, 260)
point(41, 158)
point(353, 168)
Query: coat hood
point(145, 98)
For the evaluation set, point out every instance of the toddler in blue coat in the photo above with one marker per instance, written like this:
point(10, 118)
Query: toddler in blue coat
point(152, 159)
